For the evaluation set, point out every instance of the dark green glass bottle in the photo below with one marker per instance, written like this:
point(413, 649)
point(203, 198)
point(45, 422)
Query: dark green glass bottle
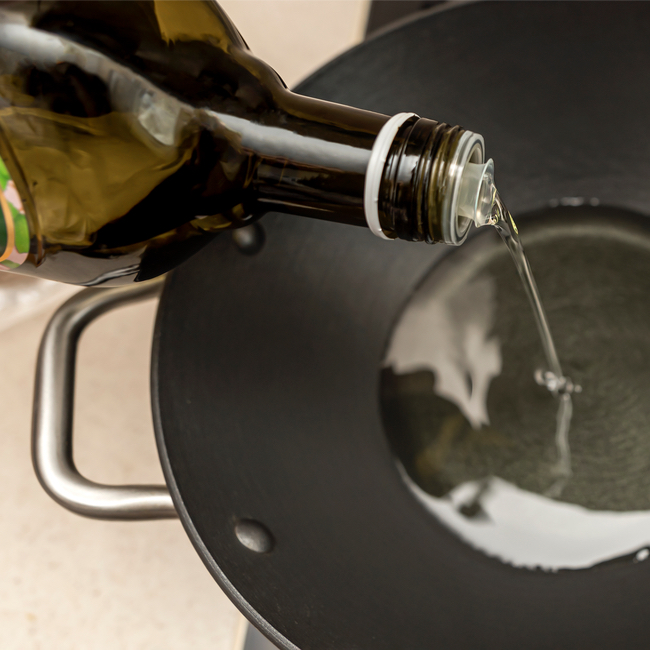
point(132, 131)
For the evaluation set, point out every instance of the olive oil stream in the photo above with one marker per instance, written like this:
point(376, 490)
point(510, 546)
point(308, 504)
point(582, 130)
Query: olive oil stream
point(552, 378)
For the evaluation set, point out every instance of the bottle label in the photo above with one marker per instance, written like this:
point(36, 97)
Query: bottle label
point(14, 231)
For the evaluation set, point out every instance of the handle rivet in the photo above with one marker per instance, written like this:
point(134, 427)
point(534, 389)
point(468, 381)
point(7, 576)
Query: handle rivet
point(254, 536)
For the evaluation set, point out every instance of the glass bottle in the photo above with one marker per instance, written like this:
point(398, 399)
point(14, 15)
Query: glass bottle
point(130, 132)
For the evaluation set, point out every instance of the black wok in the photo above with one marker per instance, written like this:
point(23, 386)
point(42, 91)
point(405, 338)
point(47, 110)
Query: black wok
point(266, 367)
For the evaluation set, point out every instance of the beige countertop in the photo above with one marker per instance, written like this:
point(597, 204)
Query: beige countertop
point(70, 583)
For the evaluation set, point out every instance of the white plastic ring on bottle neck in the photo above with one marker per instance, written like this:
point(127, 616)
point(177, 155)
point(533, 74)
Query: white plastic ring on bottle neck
point(375, 170)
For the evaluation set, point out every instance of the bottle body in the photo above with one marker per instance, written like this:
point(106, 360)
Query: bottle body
point(130, 132)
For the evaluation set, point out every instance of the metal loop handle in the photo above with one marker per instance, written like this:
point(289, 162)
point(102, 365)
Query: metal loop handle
point(53, 415)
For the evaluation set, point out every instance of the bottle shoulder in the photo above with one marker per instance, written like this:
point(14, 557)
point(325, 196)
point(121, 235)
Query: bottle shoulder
point(190, 50)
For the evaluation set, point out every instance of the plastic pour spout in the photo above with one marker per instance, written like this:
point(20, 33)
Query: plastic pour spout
point(476, 194)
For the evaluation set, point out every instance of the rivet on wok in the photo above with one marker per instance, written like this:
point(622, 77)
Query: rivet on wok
point(254, 536)
point(249, 239)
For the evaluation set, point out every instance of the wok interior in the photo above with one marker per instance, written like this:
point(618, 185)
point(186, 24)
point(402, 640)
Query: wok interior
point(475, 433)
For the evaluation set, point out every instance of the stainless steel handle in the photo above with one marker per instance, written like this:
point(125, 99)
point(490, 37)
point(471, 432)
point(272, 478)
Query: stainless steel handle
point(53, 415)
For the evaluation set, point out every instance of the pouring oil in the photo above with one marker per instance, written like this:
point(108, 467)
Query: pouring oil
point(479, 201)
point(551, 377)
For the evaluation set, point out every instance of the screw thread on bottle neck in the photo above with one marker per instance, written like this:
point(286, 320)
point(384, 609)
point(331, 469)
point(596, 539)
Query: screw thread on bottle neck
point(419, 188)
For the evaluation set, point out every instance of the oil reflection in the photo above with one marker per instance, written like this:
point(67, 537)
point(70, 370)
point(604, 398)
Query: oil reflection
point(470, 356)
point(532, 531)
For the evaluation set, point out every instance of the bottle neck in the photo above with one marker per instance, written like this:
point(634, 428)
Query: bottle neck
point(310, 158)
point(328, 161)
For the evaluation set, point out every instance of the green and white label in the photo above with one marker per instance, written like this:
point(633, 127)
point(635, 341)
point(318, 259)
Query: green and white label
point(14, 231)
